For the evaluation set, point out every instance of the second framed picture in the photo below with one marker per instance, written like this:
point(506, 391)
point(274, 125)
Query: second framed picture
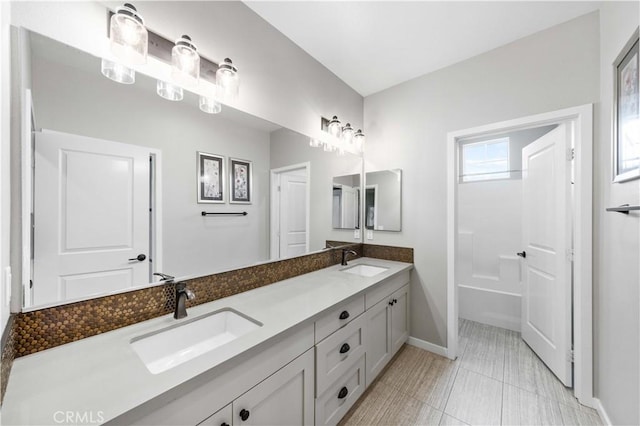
point(240, 180)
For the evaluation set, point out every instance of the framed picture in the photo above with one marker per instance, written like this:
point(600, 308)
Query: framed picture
point(240, 178)
point(210, 178)
point(626, 113)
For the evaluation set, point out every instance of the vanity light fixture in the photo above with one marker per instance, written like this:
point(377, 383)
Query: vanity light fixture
point(359, 139)
point(128, 36)
point(117, 72)
point(347, 134)
point(185, 62)
point(228, 80)
point(334, 128)
point(169, 91)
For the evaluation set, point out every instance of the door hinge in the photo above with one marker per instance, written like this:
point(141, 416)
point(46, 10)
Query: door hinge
point(570, 255)
point(571, 357)
point(571, 154)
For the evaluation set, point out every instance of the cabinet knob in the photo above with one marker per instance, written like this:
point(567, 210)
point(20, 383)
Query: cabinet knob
point(390, 302)
point(345, 348)
point(344, 315)
point(244, 414)
point(343, 393)
point(395, 301)
point(224, 424)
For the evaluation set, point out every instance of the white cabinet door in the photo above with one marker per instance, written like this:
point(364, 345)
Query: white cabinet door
point(334, 403)
point(220, 418)
point(378, 339)
point(399, 318)
point(285, 398)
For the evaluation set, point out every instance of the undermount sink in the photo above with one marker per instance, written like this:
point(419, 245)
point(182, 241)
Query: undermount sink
point(172, 346)
point(365, 270)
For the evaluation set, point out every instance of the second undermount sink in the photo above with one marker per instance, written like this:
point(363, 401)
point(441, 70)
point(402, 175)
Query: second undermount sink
point(172, 346)
point(365, 270)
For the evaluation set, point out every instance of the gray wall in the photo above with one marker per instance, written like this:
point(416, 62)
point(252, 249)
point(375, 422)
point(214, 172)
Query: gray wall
point(616, 243)
point(324, 166)
point(84, 103)
point(407, 128)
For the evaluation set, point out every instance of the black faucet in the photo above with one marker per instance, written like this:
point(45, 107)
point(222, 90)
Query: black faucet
point(345, 252)
point(182, 295)
point(165, 277)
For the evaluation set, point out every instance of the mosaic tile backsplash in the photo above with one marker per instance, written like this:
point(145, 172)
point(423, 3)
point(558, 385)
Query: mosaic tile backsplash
point(35, 331)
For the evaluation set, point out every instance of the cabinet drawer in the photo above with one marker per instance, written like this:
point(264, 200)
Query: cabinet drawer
point(339, 317)
point(386, 288)
point(332, 405)
point(338, 353)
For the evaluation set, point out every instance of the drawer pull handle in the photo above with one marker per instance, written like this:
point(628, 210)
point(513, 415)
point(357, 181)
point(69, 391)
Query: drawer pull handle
point(344, 315)
point(390, 302)
point(224, 424)
point(244, 414)
point(343, 393)
point(345, 348)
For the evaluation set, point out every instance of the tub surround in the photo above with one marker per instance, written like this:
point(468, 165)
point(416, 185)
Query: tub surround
point(84, 375)
point(35, 331)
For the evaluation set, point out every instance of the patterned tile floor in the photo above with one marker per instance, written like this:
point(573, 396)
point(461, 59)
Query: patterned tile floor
point(497, 380)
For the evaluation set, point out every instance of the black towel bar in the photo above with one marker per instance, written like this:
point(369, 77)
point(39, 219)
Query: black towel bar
point(224, 213)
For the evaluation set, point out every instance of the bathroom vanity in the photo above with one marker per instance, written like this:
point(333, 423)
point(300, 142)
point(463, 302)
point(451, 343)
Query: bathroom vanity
point(308, 348)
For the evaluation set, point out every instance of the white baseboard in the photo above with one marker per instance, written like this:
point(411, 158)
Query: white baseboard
point(601, 411)
point(423, 344)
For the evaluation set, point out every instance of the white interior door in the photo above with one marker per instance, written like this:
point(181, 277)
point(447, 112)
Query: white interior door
point(293, 213)
point(349, 207)
point(546, 299)
point(91, 216)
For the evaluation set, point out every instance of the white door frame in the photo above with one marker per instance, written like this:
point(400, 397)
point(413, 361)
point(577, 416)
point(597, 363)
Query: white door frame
point(581, 120)
point(274, 211)
point(375, 204)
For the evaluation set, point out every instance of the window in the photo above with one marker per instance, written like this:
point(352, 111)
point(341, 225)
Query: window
point(486, 160)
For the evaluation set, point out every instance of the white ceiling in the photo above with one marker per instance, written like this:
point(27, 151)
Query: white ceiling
point(373, 45)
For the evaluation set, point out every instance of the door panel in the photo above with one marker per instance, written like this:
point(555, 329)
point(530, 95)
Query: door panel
point(399, 318)
point(293, 225)
point(378, 339)
point(546, 300)
point(91, 216)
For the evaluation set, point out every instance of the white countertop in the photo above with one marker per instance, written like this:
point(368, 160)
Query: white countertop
point(103, 373)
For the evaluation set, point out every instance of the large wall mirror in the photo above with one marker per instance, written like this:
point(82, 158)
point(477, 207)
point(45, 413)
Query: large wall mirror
point(127, 184)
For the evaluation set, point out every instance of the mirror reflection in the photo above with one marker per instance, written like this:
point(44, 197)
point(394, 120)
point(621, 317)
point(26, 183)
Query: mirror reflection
point(127, 184)
point(346, 202)
point(383, 200)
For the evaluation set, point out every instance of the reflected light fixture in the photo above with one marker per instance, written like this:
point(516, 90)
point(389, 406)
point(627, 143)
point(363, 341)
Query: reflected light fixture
point(228, 80)
point(347, 134)
point(185, 62)
point(117, 72)
point(314, 143)
point(328, 147)
point(129, 40)
point(359, 139)
point(334, 128)
point(211, 104)
point(169, 91)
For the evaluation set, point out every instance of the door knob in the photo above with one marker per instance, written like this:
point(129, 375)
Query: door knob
point(522, 254)
point(139, 258)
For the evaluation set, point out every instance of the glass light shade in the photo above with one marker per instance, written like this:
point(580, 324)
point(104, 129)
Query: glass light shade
point(185, 62)
point(117, 72)
point(228, 80)
point(314, 143)
point(359, 139)
point(169, 91)
point(128, 36)
point(329, 147)
point(210, 105)
point(334, 128)
point(347, 134)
